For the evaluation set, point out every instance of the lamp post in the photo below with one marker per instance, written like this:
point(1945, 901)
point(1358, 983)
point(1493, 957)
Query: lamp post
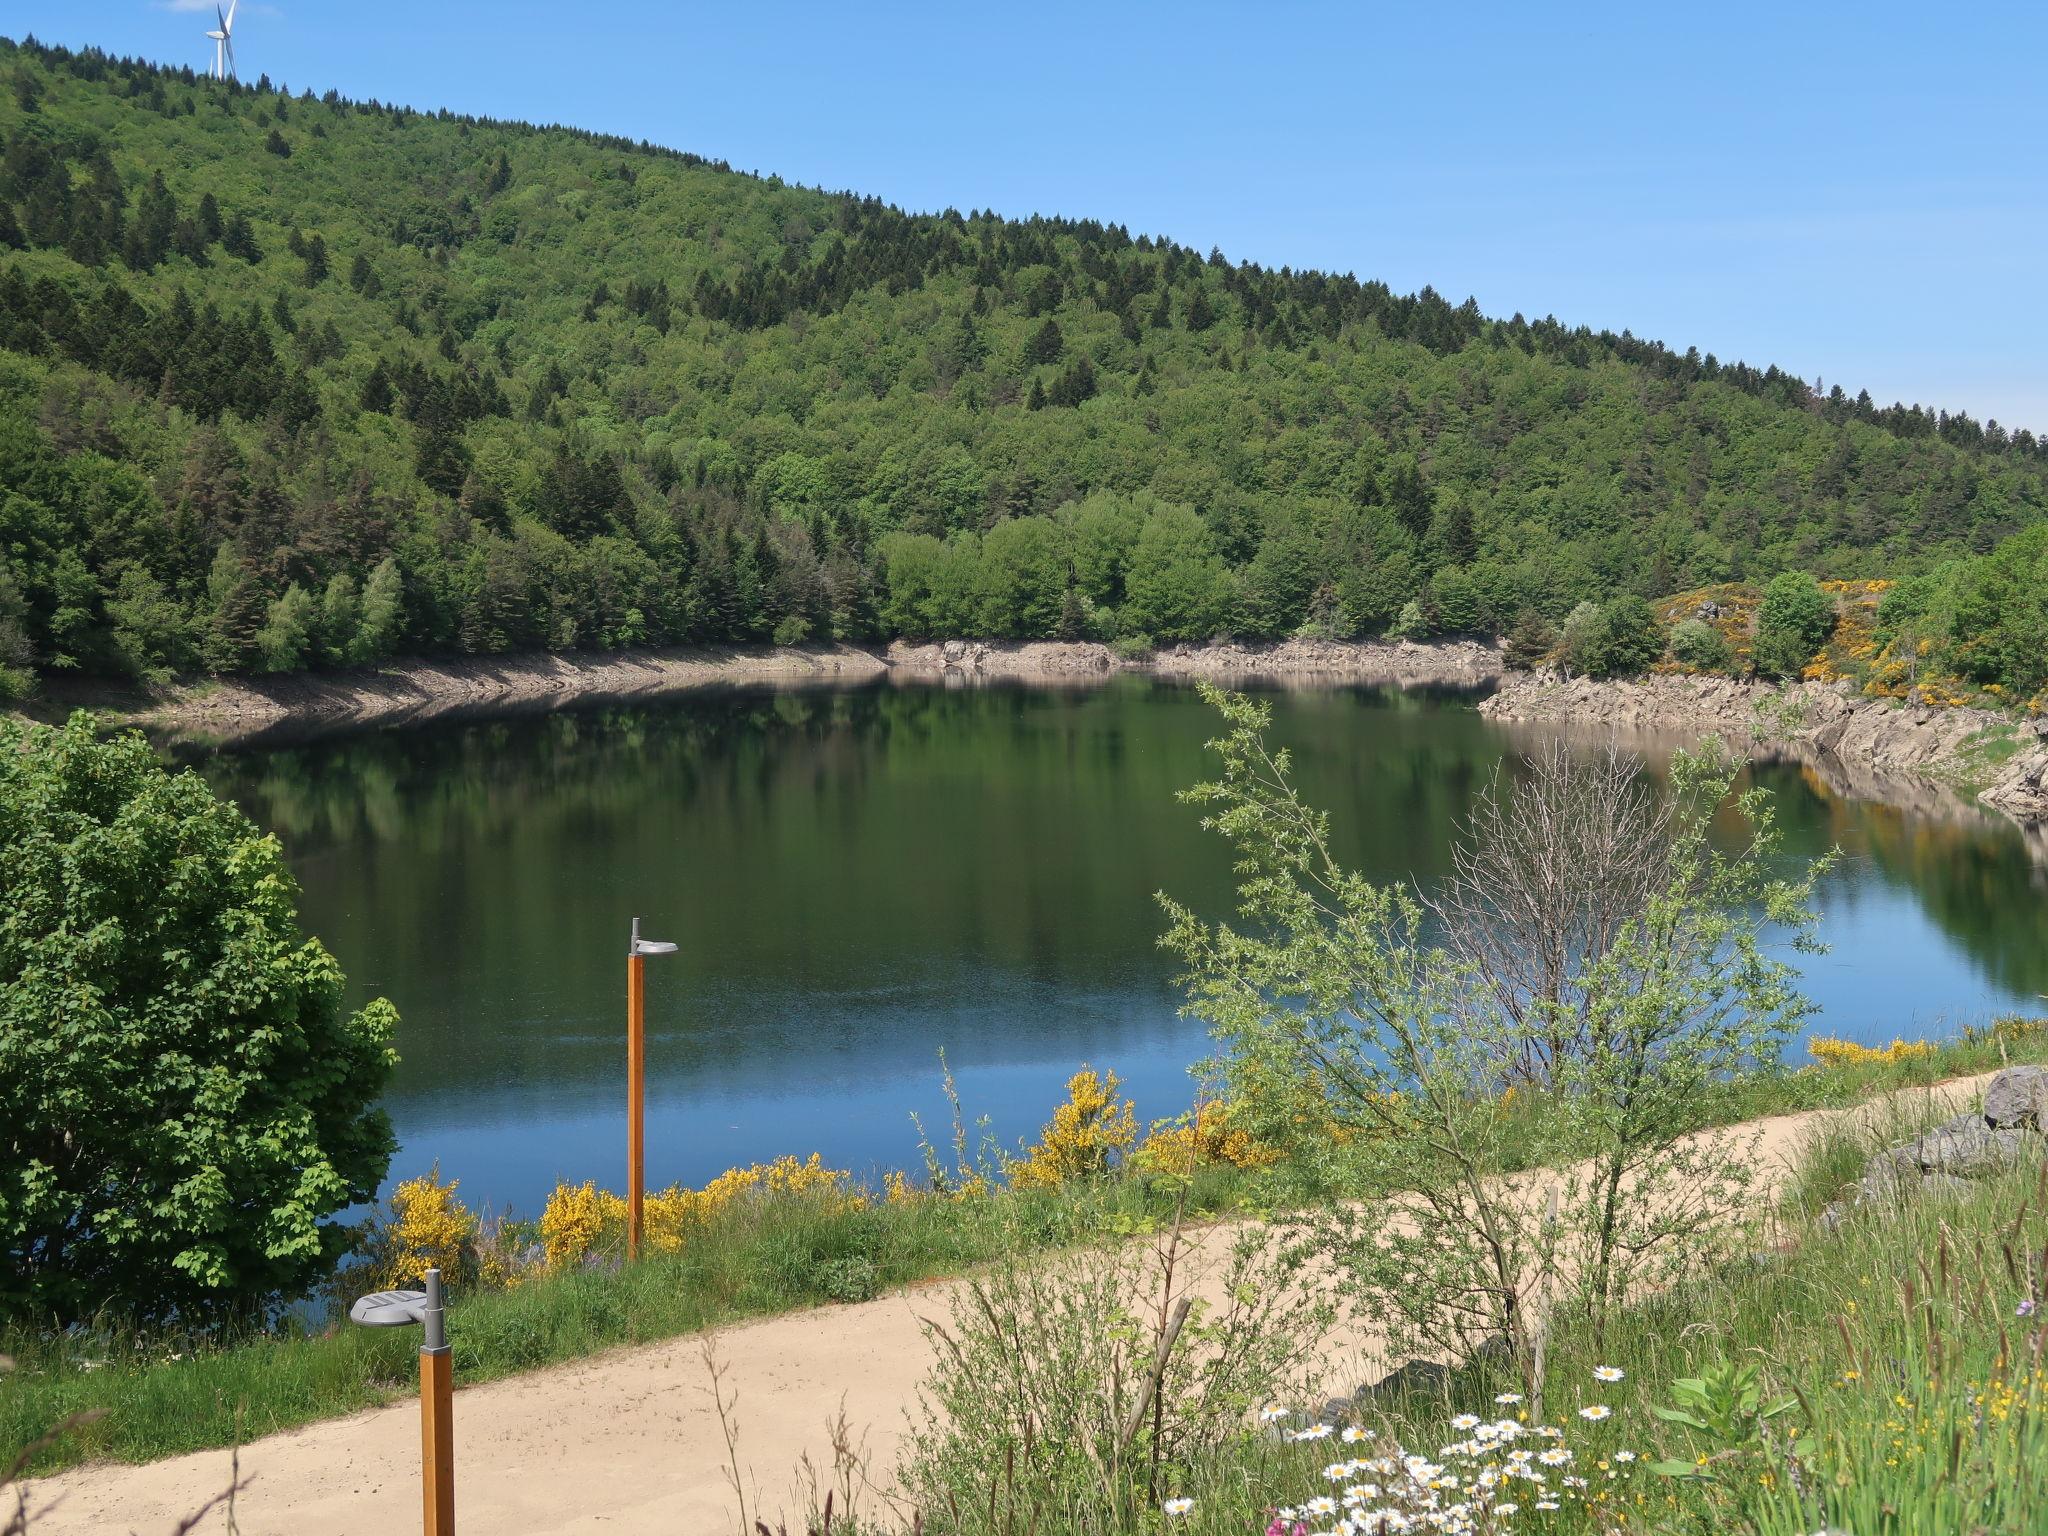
point(636, 1082)
point(398, 1309)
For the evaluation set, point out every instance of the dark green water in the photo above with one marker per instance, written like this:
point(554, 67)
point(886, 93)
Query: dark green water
point(859, 879)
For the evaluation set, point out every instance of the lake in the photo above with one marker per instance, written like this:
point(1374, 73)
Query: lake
point(862, 878)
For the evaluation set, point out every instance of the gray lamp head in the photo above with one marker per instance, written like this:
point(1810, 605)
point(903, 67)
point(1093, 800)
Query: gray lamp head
point(642, 946)
point(390, 1309)
point(399, 1309)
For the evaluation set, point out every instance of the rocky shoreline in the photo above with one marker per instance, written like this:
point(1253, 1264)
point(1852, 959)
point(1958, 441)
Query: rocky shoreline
point(1918, 756)
point(298, 706)
point(1307, 663)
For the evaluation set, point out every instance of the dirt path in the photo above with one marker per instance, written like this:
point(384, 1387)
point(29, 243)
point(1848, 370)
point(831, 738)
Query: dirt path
point(625, 1442)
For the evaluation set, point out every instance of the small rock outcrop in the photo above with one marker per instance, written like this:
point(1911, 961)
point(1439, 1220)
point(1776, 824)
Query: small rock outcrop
point(2010, 1130)
point(1903, 753)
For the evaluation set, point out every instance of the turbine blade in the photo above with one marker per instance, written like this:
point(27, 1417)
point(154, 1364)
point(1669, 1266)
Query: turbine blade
point(229, 44)
point(229, 24)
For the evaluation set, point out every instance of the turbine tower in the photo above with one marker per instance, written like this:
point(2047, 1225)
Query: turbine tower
point(224, 42)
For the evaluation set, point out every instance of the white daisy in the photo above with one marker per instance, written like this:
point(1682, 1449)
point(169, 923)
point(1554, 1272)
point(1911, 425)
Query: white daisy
point(1465, 1421)
point(1178, 1506)
point(1353, 1434)
point(1607, 1373)
point(1508, 1399)
point(1556, 1456)
point(1595, 1412)
point(1624, 1455)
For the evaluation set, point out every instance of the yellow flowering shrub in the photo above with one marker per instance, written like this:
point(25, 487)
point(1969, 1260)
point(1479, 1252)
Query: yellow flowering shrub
point(581, 1219)
point(1084, 1137)
point(1847, 1053)
point(577, 1220)
point(1205, 1139)
point(428, 1228)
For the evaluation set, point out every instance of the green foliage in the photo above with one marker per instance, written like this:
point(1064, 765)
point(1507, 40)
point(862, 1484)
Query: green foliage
point(1335, 1007)
point(1613, 638)
point(1698, 644)
point(1793, 622)
point(186, 1101)
point(1985, 618)
point(574, 391)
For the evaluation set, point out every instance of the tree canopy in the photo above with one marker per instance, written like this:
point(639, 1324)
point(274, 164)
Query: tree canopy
point(184, 1102)
point(291, 382)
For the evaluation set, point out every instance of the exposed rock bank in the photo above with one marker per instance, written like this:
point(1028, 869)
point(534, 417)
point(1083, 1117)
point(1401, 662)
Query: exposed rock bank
point(1402, 663)
point(243, 709)
point(1881, 749)
point(300, 705)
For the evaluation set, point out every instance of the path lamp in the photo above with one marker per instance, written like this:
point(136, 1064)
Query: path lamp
point(636, 1082)
point(399, 1309)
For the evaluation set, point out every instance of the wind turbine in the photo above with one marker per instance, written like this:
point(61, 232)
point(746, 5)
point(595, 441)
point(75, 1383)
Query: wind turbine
point(224, 42)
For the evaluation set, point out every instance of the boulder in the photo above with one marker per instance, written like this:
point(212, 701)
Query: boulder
point(1965, 1147)
point(1414, 1376)
point(2018, 1098)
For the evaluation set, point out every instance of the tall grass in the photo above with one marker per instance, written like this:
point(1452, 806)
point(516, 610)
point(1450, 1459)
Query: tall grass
point(164, 1394)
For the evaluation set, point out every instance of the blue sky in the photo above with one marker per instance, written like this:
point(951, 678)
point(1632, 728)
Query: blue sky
point(1855, 192)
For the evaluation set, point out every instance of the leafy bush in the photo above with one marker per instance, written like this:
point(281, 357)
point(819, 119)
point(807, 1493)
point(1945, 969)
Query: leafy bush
point(1530, 642)
point(1085, 1138)
point(186, 1102)
point(1792, 623)
point(1699, 645)
point(1613, 640)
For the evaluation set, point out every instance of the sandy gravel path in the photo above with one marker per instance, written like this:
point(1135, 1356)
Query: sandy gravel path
point(625, 1442)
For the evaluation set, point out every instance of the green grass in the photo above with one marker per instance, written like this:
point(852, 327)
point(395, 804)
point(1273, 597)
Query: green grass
point(164, 1395)
point(1915, 1390)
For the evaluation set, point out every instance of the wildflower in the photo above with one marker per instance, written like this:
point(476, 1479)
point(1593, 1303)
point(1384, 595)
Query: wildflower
point(1508, 1399)
point(1313, 1432)
point(1337, 1471)
point(2025, 1308)
point(1321, 1504)
point(1508, 1508)
point(1607, 1373)
point(1593, 1413)
point(1547, 1504)
point(1353, 1434)
point(1178, 1506)
point(1465, 1421)
point(1624, 1455)
point(1271, 1415)
point(1556, 1456)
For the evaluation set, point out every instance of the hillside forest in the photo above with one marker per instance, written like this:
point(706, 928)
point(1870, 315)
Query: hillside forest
point(297, 382)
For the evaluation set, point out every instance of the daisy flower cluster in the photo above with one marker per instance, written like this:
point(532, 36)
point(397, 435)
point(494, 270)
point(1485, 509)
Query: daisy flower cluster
point(1497, 1470)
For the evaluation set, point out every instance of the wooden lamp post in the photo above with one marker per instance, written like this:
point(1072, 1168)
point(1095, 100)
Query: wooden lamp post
point(636, 1083)
point(398, 1309)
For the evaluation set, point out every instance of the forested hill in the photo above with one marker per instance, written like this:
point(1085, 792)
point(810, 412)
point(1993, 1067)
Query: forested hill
point(289, 382)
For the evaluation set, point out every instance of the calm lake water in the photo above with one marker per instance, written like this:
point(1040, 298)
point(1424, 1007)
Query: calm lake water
point(860, 879)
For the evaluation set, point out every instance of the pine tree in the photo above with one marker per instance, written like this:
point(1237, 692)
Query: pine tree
point(1046, 344)
point(1200, 315)
point(1036, 402)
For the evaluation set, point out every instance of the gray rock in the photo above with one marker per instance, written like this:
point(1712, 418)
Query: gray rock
point(1414, 1376)
point(2017, 1097)
point(1969, 1149)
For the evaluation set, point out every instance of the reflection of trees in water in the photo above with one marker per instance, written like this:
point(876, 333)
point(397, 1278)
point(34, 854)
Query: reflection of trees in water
point(853, 870)
point(1971, 874)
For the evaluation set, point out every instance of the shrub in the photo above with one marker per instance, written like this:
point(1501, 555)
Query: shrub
point(1792, 623)
point(185, 1101)
point(1084, 1138)
point(1700, 646)
point(429, 1228)
point(1830, 1052)
point(1617, 638)
point(1530, 642)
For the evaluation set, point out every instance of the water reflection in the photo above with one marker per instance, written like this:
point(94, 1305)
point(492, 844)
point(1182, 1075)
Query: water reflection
point(862, 877)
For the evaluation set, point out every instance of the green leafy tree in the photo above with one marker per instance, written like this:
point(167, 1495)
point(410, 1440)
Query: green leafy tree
point(1337, 1007)
point(1792, 622)
point(188, 1104)
point(1177, 587)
